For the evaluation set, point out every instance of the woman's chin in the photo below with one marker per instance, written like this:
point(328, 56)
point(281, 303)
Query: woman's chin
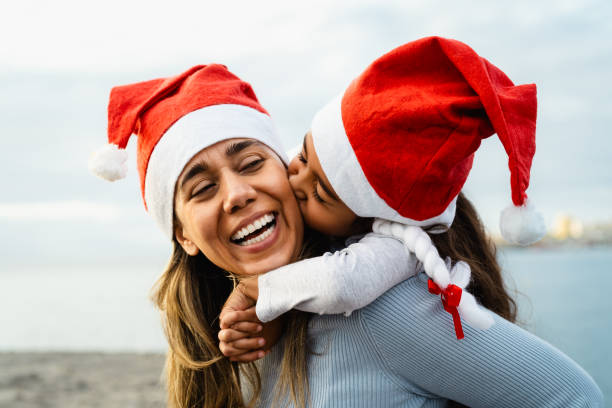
point(265, 265)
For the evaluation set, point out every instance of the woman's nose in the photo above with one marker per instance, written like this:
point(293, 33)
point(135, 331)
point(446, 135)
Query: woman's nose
point(298, 174)
point(238, 193)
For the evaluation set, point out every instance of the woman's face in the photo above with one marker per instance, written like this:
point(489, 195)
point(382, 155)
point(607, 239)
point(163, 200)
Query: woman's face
point(234, 203)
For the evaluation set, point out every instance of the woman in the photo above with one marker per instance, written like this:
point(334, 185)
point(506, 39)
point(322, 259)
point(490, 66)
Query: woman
point(204, 135)
point(208, 167)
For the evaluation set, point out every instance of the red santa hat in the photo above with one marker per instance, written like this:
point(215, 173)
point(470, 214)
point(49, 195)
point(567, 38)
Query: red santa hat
point(399, 143)
point(174, 119)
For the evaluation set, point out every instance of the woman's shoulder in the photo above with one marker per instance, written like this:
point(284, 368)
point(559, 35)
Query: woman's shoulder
point(409, 314)
point(415, 338)
point(409, 317)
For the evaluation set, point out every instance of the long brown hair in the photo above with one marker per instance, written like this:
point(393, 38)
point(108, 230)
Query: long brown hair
point(190, 294)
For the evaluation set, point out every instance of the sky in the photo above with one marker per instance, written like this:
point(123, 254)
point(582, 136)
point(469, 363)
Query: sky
point(58, 61)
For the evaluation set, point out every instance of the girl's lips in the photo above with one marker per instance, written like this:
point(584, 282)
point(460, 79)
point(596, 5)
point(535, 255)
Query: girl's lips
point(266, 242)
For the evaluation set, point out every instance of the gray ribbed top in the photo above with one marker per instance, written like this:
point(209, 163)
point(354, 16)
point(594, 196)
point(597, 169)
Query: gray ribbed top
point(401, 351)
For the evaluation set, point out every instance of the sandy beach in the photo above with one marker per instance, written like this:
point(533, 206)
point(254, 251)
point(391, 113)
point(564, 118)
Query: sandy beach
point(68, 380)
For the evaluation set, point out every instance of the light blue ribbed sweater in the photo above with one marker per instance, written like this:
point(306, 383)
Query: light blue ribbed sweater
point(401, 351)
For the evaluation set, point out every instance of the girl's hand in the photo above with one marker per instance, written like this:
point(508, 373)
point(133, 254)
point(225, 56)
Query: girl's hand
point(250, 287)
point(240, 335)
point(238, 307)
point(241, 339)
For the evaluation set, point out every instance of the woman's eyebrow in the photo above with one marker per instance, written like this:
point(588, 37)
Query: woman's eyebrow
point(235, 148)
point(196, 169)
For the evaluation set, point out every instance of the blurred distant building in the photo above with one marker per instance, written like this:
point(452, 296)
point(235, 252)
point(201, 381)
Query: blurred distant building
point(565, 227)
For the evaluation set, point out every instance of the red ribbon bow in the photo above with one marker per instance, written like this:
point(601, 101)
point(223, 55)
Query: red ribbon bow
point(451, 297)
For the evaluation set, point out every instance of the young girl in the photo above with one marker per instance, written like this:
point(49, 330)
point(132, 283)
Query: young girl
point(397, 145)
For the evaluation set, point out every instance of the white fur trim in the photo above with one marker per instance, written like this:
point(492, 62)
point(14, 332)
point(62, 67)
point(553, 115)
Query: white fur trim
point(342, 168)
point(109, 163)
point(187, 137)
point(522, 225)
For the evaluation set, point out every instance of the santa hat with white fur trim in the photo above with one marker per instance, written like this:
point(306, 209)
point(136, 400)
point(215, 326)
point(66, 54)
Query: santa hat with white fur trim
point(398, 144)
point(174, 119)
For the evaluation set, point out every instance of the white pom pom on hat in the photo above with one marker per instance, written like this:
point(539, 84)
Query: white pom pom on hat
point(109, 162)
point(522, 225)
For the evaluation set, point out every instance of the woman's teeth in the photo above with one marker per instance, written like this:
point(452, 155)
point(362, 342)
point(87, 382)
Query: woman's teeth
point(255, 227)
point(258, 238)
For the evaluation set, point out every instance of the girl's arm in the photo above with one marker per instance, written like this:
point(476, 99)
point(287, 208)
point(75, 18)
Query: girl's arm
point(338, 282)
point(504, 366)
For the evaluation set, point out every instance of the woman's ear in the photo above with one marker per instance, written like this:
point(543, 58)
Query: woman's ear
point(188, 245)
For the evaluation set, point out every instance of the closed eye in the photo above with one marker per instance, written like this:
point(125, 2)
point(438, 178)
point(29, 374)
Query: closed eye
point(204, 189)
point(302, 158)
point(252, 165)
point(315, 193)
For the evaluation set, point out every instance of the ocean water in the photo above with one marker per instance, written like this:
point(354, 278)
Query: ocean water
point(79, 309)
point(564, 296)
